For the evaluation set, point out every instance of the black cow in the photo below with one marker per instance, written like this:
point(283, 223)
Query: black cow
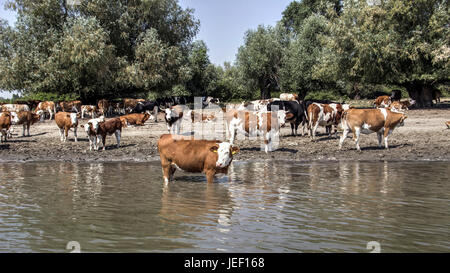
point(396, 95)
point(295, 113)
point(150, 106)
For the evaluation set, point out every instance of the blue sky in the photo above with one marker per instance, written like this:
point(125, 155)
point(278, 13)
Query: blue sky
point(223, 23)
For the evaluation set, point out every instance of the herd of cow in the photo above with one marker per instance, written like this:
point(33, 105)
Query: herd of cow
point(261, 117)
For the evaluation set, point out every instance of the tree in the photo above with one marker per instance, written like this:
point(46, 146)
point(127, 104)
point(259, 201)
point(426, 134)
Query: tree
point(296, 12)
point(260, 59)
point(198, 63)
point(302, 56)
point(43, 52)
point(394, 42)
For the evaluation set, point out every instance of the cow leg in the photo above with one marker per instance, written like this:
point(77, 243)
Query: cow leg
point(90, 142)
point(82, 113)
point(104, 141)
point(380, 138)
point(232, 134)
point(166, 169)
point(357, 133)
point(97, 140)
point(210, 176)
point(343, 137)
point(23, 130)
point(75, 134)
point(387, 132)
point(118, 133)
point(313, 131)
point(61, 131)
point(292, 130)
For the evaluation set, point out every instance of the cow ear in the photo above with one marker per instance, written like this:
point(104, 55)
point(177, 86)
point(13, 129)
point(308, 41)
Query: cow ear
point(234, 150)
point(214, 149)
point(289, 115)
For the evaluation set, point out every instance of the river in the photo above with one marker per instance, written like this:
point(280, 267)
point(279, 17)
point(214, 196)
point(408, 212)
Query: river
point(261, 206)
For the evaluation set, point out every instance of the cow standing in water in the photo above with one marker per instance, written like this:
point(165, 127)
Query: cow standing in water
point(195, 156)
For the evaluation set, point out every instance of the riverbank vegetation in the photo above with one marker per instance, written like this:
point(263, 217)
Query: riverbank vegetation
point(324, 49)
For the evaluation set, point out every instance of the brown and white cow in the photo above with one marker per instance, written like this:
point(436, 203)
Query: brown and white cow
point(381, 121)
point(266, 124)
point(382, 101)
point(448, 124)
point(13, 119)
point(5, 125)
point(196, 156)
point(200, 117)
point(324, 115)
point(74, 106)
point(289, 97)
point(91, 109)
point(401, 106)
point(104, 107)
point(130, 104)
point(174, 117)
point(46, 107)
point(65, 121)
point(134, 119)
point(8, 107)
point(92, 130)
point(109, 127)
point(26, 119)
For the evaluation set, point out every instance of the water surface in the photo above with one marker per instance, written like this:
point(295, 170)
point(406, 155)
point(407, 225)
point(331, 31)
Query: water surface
point(261, 206)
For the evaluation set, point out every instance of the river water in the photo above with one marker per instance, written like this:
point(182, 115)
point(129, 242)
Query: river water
point(261, 206)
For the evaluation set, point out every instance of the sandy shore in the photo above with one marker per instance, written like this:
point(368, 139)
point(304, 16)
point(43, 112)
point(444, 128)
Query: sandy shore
point(424, 137)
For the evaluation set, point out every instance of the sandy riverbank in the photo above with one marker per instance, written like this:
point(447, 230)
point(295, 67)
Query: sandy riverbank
point(423, 137)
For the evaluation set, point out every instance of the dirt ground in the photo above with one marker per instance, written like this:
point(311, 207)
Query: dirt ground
point(423, 137)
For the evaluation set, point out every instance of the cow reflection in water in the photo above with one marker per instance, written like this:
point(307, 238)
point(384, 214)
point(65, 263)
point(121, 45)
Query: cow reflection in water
point(194, 201)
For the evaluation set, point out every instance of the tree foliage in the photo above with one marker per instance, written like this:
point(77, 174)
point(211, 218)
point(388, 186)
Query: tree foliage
point(96, 48)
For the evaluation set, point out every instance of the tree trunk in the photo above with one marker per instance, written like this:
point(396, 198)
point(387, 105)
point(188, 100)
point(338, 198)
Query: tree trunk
point(265, 91)
point(420, 92)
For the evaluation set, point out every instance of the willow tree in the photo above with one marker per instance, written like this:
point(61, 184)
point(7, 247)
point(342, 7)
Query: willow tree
point(96, 48)
point(259, 59)
point(404, 43)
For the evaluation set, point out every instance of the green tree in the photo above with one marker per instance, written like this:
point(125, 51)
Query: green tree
point(42, 53)
point(259, 59)
point(403, 43)
point(302, 56)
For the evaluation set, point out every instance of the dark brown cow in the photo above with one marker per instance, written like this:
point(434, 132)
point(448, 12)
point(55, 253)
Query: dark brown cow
point(197, 156)
point(381, 121)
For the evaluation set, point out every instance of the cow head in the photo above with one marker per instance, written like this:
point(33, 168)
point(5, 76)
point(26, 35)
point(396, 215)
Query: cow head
point(225, 152)
point(170, 114)
point(74, 119)
point(282, 116)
